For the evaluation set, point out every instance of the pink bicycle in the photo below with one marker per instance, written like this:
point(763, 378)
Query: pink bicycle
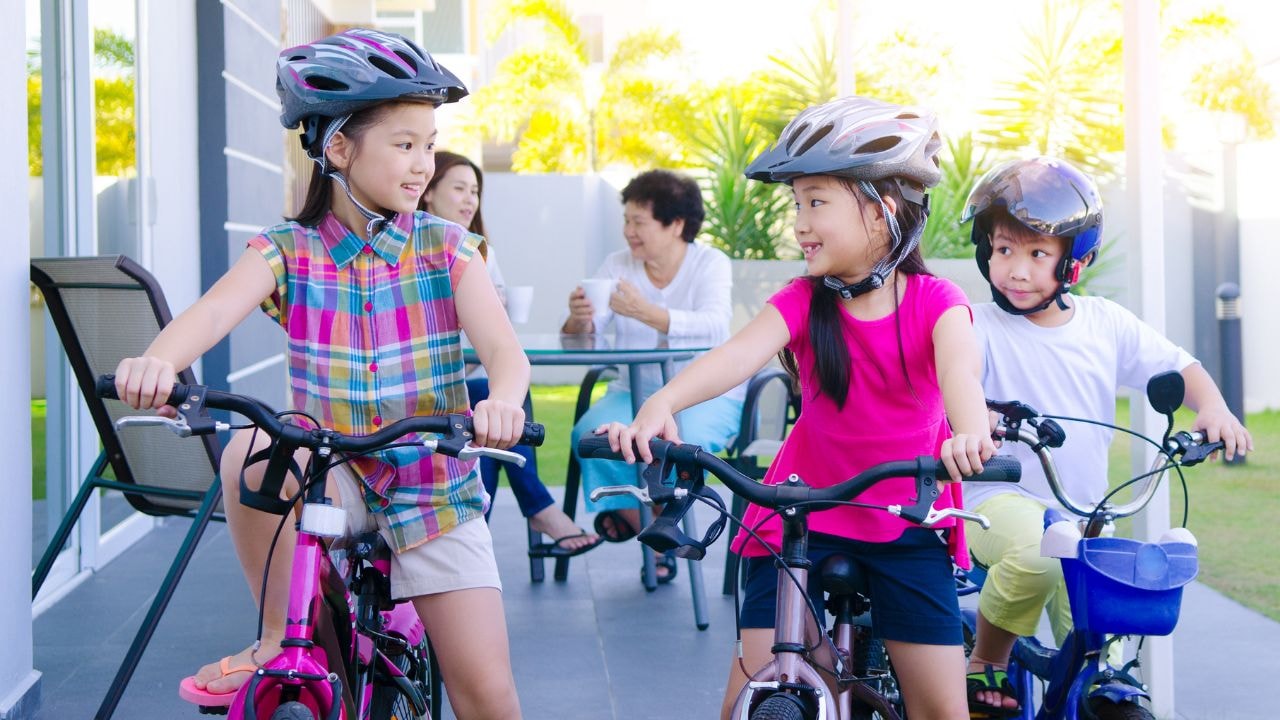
point(349, 651)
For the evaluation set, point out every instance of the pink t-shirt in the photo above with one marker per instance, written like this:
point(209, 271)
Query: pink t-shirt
point(884, 418)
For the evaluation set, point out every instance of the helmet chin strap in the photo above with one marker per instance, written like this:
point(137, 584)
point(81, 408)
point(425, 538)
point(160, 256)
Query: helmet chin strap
point(377, 221)
point(898, 251)
point(1003, 302)
point(1068, 275)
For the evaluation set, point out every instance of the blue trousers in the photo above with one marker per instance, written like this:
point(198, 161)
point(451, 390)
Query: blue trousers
point(712, 424)
point(531, 494)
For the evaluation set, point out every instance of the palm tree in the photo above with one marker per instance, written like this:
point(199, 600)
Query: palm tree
point(1066, 101)
point(564, 118)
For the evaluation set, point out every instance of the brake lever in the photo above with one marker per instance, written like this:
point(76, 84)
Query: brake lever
point(470, 451)
point(639, 493)
point(936, 516)
point(178, 426)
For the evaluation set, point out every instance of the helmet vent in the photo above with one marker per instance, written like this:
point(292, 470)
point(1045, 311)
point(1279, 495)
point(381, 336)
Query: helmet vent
point(813, 139)
point(323, 82)
point(795, 135)
point(878, 145)
point(388, 67)
point(907, 116)
point(408, 60)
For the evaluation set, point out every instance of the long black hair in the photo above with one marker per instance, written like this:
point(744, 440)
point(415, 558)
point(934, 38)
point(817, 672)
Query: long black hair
point(826, 328)
point(319, 198)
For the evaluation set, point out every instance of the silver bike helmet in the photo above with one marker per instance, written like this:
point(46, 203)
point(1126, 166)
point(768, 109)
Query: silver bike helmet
point(1048, 196)
point(865, 140)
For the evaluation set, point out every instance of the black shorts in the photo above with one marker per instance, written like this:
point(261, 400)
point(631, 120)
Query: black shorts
point(912, 590)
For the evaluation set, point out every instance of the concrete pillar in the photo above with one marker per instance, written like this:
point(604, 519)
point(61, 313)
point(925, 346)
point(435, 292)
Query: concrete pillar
point(19, 681)
point(1144, 177)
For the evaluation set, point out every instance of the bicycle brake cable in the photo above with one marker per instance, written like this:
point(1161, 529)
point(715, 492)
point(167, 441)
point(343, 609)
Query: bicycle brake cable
point(813, 610)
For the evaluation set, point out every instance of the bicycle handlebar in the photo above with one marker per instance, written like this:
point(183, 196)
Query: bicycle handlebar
point(1024, 424)
point(927, 471)
point(997, 469)
point(195, 397)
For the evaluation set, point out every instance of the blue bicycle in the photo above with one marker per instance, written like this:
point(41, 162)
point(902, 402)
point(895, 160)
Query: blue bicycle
point(1117, 587)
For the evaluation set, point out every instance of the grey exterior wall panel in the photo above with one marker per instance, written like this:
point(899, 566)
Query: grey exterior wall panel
point(254, 128)
point(255, 196)
point(250, 58)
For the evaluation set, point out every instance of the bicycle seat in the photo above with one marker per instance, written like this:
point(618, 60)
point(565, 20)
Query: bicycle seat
point(840, 575)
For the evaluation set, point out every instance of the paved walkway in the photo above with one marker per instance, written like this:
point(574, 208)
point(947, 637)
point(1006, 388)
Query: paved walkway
point(592, 648)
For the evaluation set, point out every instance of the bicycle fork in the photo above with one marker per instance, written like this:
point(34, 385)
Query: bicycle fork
point(795, 632)
point(300, 672)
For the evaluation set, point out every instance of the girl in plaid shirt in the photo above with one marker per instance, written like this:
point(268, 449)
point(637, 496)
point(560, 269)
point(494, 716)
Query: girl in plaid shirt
point(373, 297)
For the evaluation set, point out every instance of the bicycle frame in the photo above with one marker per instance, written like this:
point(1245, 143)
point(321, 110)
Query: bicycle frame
point(1115, 586)
point(800, 647)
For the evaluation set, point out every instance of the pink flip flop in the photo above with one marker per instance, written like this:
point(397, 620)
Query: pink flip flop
point(188, 691)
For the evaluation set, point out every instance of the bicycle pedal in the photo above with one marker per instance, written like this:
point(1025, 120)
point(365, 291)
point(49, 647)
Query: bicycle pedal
point(214, 709)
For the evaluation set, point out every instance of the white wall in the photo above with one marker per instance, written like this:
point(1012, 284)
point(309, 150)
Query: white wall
point(19, 692)
point(1260, 274)
point(551, 231)
point(173, 249)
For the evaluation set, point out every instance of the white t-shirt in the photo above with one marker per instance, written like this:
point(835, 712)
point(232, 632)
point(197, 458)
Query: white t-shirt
point(1075, 369)
point(698, 299)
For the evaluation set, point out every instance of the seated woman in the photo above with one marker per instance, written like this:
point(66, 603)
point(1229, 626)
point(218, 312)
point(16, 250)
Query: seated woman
point(665, 284)
point(453, 194)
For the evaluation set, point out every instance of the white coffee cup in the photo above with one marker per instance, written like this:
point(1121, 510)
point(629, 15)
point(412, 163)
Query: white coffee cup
point(519, 301)
point(598, 291)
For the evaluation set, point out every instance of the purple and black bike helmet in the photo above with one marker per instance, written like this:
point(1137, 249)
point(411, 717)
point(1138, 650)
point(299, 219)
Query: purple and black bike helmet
point(865, 140)
point(321, 84)
point(1048, 196)
point(348, 72)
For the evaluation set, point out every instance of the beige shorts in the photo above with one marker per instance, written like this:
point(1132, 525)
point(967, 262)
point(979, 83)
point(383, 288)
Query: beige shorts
point(461, 559)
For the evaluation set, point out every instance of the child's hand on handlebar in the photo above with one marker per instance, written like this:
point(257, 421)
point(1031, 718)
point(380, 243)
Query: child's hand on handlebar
point(497, 423)
point(653, 420)
point(964, 454)
point(1217, 423)
point(145, 382)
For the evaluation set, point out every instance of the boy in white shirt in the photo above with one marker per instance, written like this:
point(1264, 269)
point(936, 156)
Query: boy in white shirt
point(1036, 224)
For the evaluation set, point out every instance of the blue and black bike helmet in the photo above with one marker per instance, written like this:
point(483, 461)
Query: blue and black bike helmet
point(1048, 196)
point(865, 140)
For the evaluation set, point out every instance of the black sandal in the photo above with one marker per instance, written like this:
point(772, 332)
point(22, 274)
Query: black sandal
point(663, 561)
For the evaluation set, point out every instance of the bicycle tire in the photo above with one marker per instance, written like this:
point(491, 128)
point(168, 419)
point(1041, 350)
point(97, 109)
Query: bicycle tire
point(292, 711)
point(782, 706)
point(872, 658)
point(1104, 709)
point(419, 665)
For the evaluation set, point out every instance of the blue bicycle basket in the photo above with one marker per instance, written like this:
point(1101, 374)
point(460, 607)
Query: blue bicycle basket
point(1128, 587)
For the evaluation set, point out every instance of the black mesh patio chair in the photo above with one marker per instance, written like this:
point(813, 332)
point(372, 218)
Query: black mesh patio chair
point(105, 309)
point(770, 407)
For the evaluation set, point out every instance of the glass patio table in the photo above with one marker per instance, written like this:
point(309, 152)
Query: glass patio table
point(634, 353)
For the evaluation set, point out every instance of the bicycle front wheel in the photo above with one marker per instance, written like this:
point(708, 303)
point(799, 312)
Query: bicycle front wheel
point(782, 706)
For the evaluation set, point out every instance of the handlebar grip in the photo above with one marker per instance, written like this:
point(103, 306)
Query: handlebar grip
point(105, 388)
point(999, 468)
point(597, 446)
point(534, 434)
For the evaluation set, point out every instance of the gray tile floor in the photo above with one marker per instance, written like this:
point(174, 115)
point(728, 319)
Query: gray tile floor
point(594, 647)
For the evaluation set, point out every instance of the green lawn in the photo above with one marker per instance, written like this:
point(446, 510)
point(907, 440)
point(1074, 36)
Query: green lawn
point(1232, 510)
point(1231, 505)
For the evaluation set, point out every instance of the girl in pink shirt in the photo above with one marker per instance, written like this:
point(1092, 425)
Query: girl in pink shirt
point(888, 366)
